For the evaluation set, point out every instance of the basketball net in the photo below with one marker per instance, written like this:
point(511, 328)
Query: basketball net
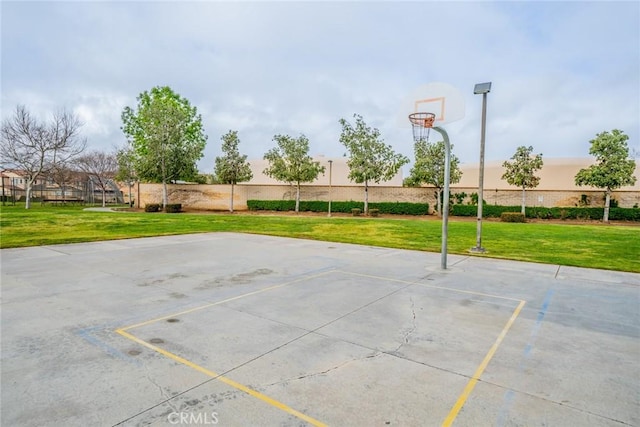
point(421, 124)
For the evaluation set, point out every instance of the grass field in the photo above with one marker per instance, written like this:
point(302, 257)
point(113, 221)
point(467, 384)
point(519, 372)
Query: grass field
point(595, 246)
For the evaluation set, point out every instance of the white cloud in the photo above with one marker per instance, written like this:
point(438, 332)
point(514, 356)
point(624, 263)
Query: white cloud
point(561, 71)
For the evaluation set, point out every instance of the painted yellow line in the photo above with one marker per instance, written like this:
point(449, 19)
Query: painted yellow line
point(202, 307)
point(388, 279)
point(225, 380)
point(476, 376)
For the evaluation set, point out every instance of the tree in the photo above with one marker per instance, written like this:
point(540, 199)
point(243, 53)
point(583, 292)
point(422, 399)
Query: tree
point(521, 171)
point(232, 168)
point(167, 137)
point(613, 168)
point(429, 168)
point(102, 168)
point(370, 159)
point(126, 173)
point(34, 147)
point(61, 174)
point(290, 162)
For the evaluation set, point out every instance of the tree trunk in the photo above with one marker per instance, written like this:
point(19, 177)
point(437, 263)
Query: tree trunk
point(231, 201)
point(165, 197)
point(130, 202)
point(438, 202)
point(524, 198)
point(297, 197)
point(607, 200)
point(27, 204)
point(104, 198)
point(366, 197)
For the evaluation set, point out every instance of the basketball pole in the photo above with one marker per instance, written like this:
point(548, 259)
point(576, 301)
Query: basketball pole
point(445, 198)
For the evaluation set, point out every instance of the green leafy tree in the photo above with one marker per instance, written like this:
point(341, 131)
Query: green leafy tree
point(167, 137)
point(290, 162)
point(370, 159)
point(232, 168)
point(521, 171)
point(613, 168)
point(429, 168)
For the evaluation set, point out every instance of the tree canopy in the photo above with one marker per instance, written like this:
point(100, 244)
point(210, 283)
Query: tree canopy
point(34, 147)
point(521, 170)
point(370, 159)
point(290, 162)
point(232, 167)
point(429, 167)
point(613, 168)
point(166, 135)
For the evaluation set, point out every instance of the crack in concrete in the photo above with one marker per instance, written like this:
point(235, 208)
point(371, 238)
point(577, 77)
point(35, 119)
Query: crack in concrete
point(326, 371)
point(163, 393)
point(411, 330)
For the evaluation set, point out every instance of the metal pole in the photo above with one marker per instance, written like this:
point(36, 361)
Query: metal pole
point(445, 201)
point(330, 172)
point(479, 247)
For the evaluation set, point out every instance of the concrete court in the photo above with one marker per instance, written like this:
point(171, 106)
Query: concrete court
point(240, 330)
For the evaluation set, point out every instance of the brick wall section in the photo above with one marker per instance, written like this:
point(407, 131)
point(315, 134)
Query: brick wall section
point(216, 197)
point(194, 196)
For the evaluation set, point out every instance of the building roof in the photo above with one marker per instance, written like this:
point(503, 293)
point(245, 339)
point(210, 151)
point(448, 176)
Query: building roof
point(556, 174)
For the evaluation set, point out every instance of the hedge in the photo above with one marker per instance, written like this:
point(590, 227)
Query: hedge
point(488, 211)
point(173, 208)
point(512, 217)
point(397, 208)
point(581, 213)
point(152, 207)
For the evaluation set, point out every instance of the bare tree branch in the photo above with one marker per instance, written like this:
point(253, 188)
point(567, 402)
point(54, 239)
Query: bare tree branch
point(32, 147)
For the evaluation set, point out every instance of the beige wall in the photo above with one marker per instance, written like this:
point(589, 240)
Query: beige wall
point(216, 197)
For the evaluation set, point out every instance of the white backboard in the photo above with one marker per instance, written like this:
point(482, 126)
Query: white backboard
point(441, 99)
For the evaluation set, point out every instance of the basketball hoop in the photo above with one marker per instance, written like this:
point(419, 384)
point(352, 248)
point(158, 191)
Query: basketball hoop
point(421, 124)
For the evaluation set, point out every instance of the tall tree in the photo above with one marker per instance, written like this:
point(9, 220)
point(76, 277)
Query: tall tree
point(232, 168)
point(429, 168)
point(167, 137)
point(370, 159)
point(62, 174)
point(521, 171)
point(34, 147)
point(613, 168)
point(290, 162)
point(102, 168)
point(126, 169)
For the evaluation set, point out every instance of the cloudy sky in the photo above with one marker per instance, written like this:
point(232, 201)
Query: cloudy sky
point(561, 71)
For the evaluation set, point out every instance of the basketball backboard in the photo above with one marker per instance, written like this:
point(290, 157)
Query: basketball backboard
point(441, 99)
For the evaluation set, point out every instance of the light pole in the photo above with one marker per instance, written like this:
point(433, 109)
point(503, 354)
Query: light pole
point(330, 171)
point(484, 89)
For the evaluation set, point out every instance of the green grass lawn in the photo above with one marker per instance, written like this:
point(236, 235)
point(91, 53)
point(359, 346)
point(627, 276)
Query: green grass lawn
point(596, 246)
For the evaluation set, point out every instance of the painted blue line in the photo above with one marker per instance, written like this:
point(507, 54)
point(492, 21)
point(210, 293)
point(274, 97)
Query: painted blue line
point(509, 395)
point(85, 334)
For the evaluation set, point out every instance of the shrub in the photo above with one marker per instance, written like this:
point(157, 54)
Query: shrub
point(488, 211)
point(173, 208)
point(397, 208)
point(511, 217)
point(355, 212)
point(374, 212)
point(624, 214)
point(152, 207)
